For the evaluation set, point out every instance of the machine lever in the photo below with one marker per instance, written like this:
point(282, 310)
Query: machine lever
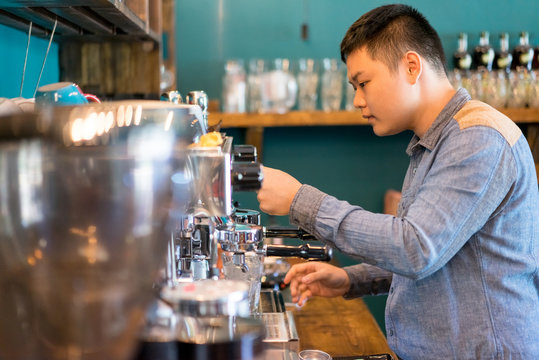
point(288, 232)
point(305, 251)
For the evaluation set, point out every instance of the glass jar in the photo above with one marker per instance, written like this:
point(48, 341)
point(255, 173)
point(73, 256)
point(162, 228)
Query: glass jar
point(234, 87)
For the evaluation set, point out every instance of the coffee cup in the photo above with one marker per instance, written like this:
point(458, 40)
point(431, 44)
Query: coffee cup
point(62, 93)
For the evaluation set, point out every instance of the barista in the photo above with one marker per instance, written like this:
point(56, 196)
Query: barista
point(460, 259)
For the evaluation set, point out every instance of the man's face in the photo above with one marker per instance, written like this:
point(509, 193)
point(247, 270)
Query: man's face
point(384, 97)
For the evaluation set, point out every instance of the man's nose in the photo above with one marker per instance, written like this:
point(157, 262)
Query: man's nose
point(359, 100)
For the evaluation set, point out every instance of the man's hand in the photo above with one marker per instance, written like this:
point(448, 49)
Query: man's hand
point(277, 192)
point(316, 279)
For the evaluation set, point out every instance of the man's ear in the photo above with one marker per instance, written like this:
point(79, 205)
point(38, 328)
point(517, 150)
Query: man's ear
point(413, 65)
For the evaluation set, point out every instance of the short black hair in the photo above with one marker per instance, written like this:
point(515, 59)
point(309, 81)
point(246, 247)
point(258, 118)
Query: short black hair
point(389, 31)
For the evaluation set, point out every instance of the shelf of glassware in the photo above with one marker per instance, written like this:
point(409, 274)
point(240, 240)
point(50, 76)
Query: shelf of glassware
point(334, 118)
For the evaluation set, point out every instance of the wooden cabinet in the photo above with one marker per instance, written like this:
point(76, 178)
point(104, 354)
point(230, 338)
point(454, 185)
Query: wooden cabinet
point(111, 48)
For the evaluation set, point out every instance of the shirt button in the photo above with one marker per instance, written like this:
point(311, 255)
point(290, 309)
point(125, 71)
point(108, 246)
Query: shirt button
point(390, 332)
point(391, 290)
point(414, 170)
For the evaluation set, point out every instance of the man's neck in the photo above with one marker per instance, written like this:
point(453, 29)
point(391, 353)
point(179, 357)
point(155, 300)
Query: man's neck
point(435, 93)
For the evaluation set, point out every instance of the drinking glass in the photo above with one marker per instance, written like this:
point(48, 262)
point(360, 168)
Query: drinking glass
point(332, 84)
point(350, 94)
point(308, 84)
point(497, 89)
point(234, 87)
point(533, 90)
point(257, 68)
point(252, 274)
point(520, 81)
point(279, 88)
point(314, 355)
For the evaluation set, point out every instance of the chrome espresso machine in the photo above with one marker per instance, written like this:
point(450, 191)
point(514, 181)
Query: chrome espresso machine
point(217, 246)
point(114, 219)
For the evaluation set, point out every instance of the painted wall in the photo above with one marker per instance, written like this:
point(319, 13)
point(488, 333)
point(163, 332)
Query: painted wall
point(348, 162)
point(12, 52)
point(210, 31)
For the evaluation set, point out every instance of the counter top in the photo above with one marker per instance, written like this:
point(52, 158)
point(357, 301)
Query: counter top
point(339, 327)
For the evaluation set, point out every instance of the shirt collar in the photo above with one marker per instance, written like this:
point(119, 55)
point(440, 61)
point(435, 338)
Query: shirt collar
point(433, 133)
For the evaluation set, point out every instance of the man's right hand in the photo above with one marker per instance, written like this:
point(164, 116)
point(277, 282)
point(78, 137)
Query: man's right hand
point(316, 279)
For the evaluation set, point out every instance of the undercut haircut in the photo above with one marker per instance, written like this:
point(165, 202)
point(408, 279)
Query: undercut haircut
point(389, 31)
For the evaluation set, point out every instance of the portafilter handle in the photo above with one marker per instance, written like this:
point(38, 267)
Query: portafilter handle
point(305, 251)
point(288, 232)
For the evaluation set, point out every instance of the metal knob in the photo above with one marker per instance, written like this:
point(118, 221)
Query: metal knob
point(244, 153)
point(246, 176)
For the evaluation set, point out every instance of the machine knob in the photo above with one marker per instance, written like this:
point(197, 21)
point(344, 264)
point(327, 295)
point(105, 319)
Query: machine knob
point(246, 176)
point(244, 153)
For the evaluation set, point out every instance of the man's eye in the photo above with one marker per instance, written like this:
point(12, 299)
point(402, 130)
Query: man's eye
point(362, 84)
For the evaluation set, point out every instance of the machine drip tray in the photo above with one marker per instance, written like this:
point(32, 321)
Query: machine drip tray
point(280, 327)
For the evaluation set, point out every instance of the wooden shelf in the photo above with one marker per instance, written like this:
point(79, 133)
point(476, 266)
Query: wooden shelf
point(321, 118)
point(98, 19)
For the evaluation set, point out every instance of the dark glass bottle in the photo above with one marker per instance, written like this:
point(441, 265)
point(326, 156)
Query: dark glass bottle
point(462, 59)
point(503, 58)
point(535, 62)
point(523, 53)
point(483, 53)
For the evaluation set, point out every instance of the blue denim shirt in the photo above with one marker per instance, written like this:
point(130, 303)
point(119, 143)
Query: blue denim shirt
point(462, 253)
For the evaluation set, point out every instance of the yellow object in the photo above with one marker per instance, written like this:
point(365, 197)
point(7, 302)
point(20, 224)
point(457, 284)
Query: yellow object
point(211, 139)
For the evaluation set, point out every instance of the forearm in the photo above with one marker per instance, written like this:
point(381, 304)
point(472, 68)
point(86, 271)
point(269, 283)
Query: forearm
point(366, 279)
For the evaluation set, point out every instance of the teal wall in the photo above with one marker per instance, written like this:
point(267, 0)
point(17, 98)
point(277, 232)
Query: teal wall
point(12, 53)
point(348, 162)
point(210, 31)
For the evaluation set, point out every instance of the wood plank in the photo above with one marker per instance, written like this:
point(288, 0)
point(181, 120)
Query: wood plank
point(339, 327)
point(321, 118)
point(46, 19)
point(85, 18)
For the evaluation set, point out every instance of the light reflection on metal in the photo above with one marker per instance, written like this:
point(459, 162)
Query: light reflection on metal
point(128, 115)
point(92, 250)
point(120, 116)
point(90, 126)
point(138, 115)
point(168, 122)
point(77, 130)
point(100, 128)
point(109, 121)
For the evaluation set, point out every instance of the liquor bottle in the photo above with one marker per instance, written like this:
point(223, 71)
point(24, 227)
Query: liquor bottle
point(462, 59)
point(483, 53)
point(503, 58)
point(523, 53)
point(535, 62)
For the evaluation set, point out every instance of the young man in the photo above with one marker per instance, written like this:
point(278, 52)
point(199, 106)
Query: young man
point(460, 259)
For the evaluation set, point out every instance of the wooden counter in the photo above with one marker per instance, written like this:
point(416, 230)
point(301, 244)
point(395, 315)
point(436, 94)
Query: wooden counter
point(322, 118)
point(339, 327)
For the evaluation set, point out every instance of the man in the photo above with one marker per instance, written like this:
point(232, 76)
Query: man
point(460, 259)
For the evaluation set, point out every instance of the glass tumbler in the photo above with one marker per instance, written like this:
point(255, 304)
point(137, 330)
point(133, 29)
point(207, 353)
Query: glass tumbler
point(308, 79)
point(257, 68)
point(234, 87)
point(314, 355)
point(251, 272)
point(332, 85)
point(279, 88)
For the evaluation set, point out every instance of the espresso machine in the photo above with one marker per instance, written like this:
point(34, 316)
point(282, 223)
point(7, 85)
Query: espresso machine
point(208, 224)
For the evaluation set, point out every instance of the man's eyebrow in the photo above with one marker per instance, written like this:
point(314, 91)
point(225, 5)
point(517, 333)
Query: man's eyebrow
point(354, 77)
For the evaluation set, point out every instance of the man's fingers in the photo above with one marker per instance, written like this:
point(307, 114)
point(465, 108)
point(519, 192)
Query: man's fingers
point(314, 276)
